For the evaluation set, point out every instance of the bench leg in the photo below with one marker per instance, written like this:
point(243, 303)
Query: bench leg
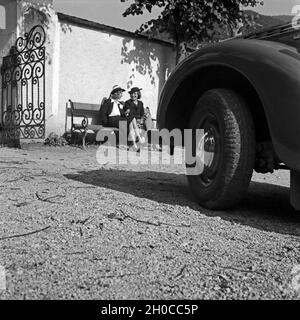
point(72, 137)
point(83, 140)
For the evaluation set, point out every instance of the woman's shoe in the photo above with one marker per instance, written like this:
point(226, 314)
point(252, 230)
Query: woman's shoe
point(142, 140)
point(123, 147)
point(136, 148)
point(156, 147)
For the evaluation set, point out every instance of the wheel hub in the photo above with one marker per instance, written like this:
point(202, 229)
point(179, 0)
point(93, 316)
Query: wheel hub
point(208, 149)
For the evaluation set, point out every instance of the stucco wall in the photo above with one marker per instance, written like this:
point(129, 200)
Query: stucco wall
point(8, 34)
point(92, 61)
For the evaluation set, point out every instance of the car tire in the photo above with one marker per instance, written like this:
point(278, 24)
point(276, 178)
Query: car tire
point(229, 145)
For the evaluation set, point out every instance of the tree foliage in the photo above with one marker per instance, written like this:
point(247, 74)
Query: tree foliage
point(188, 21)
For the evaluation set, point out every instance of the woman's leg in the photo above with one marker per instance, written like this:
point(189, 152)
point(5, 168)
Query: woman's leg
point(130, 130)
point(132, 134)
point(137, 130)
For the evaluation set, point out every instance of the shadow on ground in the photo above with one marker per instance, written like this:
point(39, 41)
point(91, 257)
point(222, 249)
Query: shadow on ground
point(266, 206)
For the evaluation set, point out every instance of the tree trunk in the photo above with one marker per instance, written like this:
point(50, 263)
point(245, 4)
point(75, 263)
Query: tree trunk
point(181, 51)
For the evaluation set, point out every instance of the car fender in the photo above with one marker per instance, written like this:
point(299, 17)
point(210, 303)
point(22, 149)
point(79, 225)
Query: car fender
point(272, 68)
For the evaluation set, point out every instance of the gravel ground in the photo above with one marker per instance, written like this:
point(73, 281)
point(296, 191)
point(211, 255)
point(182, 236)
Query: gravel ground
point(73, 229)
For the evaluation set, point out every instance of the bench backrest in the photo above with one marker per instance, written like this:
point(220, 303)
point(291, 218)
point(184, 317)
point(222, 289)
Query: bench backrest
point(75, 111)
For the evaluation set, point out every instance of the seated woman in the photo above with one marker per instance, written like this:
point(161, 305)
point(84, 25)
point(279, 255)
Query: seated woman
point(111, 113)
point(135, 107)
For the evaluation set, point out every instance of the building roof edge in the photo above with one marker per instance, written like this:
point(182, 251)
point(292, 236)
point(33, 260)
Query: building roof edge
point(106, 28)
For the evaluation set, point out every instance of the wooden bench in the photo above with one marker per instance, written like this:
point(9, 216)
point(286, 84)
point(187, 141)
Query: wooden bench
point(85, 117)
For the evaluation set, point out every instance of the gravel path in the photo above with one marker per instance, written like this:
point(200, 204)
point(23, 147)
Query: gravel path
point(72, 229)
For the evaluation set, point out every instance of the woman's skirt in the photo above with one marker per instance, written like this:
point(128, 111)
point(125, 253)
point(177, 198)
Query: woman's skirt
point(114, 121)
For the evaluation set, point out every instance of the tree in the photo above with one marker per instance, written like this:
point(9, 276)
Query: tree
point(188, 21)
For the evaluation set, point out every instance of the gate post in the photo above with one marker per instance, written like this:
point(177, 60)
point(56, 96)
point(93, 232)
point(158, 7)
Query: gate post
point(8, 36)
point(41, 12)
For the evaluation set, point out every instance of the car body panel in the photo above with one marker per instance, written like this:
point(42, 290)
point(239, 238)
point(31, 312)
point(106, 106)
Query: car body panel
point(272, 68)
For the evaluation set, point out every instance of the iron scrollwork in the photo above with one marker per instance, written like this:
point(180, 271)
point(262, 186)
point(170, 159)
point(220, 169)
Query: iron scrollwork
point(23, 87)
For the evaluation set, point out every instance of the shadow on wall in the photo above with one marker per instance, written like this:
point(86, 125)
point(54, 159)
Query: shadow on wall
point(37, 14)
point(65, 27)
point(145, 57)
point(42, 15)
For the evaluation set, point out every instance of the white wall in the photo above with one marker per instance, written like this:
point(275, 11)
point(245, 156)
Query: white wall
point(92, 61)
point(8, 26)
point(2, 17)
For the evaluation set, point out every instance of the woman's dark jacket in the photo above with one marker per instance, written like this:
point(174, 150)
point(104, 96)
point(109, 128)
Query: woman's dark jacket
point(136, 111)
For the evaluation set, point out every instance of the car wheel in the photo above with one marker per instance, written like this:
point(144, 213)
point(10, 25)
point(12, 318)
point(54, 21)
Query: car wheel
point(225, 151)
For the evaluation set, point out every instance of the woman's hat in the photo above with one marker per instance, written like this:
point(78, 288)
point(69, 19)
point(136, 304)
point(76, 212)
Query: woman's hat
point(134, 89)
point(116, 88)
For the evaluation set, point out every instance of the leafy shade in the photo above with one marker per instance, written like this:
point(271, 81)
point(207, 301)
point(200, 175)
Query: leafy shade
point(188, 21)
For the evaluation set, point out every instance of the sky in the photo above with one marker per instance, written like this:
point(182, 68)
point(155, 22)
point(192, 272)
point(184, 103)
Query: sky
point(109, 12)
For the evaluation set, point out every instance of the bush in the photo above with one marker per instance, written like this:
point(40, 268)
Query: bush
point(55, 140)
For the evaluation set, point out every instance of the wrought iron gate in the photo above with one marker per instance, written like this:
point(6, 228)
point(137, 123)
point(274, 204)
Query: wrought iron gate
point(23, 88)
